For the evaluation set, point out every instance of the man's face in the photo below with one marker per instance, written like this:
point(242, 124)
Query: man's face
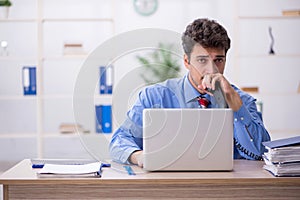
point(204, 61)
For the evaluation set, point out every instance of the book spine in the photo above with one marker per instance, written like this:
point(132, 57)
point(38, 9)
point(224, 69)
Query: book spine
point(109, 79)
point(106, 119)
point(102, 81)
point(29, 80)
point(106, 79)
point(98, 111)
point(291, 13)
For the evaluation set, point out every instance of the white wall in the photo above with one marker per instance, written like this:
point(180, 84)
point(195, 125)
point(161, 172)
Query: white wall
point(170, 15)
point(174, 15)
point(248, 61)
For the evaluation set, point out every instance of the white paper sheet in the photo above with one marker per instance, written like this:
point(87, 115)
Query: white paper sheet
point(70, 169)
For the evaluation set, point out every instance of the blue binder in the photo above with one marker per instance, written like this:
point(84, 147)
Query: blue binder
point(106, 79)
point(103, 119)
point(29, 80)
point(106, 119)
point(102, 81)
point(282, 142)
point(98, 110)
point(109, 79)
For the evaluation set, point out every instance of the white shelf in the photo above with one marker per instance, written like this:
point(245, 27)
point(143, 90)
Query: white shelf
point(269, 56)
point(100, 100)
point(275, 75)
point(269, 17)
point(78, 20)
point(18, 58)
point(57, 134)
point(18, 135)
point(64, 57)
point(18, 97)
point(18, 20)
point(59, 20)
point(105, 97)
point(57, 96)
point(39, 25)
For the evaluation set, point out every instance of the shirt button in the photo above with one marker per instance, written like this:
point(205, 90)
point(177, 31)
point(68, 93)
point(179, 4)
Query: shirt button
point(235, 119)
point(242, 118)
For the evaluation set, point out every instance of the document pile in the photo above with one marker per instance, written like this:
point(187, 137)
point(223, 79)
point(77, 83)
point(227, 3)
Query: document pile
point(283, 157)
point(71, 171)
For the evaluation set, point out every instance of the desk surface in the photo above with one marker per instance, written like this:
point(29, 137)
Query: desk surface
point(243, 169)
point(246, 176)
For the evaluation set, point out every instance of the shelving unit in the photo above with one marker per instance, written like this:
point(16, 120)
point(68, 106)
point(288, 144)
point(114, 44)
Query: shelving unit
point(34, 130)
point(254, 64)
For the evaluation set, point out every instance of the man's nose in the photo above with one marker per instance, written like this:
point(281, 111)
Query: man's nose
point(212, 68)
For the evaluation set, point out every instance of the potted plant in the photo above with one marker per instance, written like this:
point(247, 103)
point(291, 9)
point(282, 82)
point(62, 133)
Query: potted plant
point(4, 8)
point(160, 64)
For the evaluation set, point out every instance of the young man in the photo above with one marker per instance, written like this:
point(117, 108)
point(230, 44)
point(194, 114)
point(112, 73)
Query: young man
point(205, 43)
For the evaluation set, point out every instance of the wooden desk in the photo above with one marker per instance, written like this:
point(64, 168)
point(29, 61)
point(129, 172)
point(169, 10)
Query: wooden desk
point(247, 181)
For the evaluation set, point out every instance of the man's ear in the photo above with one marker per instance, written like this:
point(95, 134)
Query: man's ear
point(186, 61)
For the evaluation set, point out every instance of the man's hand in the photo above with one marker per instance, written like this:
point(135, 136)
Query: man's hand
point(137, 158)
point(231, 96)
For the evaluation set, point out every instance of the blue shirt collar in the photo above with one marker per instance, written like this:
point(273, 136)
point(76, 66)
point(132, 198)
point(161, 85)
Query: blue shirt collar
point(190, 93)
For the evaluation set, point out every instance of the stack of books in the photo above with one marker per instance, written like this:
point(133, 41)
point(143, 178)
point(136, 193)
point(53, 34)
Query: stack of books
point(72, 128)
point(283, 156)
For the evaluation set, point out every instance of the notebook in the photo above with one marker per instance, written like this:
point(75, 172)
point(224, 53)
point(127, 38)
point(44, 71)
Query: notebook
point(68, 170)
point(188, 139)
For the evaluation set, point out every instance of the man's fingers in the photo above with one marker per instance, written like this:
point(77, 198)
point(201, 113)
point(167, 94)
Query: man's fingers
point(206, 82)
point(140, 159)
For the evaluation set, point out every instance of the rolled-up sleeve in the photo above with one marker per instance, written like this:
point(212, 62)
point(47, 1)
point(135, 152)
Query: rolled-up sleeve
point(249, 131)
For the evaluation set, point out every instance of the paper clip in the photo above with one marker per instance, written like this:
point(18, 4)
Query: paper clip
point(37, 166)
point(99, 173)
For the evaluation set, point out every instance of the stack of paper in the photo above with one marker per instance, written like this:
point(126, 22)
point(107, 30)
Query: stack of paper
point(61, 170)
point(283, 156)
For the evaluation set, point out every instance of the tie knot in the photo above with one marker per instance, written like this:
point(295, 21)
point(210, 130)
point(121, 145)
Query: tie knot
point(203, 102)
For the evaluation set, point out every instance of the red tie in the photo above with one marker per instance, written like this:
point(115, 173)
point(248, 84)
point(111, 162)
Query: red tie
point(203, 102)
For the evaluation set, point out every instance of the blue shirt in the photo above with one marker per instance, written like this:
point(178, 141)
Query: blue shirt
point(249, 131)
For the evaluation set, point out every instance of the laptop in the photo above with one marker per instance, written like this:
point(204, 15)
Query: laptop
point(188, 139)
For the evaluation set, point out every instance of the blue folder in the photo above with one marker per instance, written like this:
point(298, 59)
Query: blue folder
point(106, 80)
point(102, 81)
point(29, 80)
point(282, 142)
point(106, 119)
point(103, 118)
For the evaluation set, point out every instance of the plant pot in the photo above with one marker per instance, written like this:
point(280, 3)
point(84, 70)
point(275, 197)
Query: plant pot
point(4, 11)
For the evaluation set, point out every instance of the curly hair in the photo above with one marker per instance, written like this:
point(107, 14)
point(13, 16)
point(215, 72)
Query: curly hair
point(207, 33)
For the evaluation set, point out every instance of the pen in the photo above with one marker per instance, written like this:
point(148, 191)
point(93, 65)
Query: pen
point(129, 170)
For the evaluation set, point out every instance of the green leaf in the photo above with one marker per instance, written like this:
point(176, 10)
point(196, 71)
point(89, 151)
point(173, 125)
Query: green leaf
point(5, 3)
point(159, 65)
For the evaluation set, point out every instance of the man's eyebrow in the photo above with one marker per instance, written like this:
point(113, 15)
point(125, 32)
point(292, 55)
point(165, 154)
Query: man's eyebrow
point(206, 56)
point(202, 56)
